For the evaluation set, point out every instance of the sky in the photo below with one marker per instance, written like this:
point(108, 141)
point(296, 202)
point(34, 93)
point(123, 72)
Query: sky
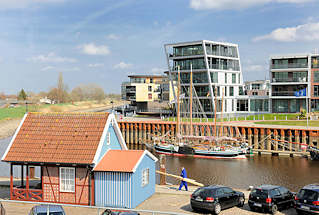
point(104, 41)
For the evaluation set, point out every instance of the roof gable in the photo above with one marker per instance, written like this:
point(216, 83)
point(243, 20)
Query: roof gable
point(122, 160)
point(57, 138)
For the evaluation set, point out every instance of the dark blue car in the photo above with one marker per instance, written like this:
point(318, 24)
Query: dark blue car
point(47, 210)
point(307, 200)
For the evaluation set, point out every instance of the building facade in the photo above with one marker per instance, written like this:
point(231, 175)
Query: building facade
point(294, 83)
point(216, 70)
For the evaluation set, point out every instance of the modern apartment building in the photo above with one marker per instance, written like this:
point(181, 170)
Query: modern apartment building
point(142, 89)
point(216, 72)
point(294, 83)
point(257, 88)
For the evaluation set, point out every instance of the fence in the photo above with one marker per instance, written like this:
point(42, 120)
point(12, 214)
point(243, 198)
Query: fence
point(95, 210)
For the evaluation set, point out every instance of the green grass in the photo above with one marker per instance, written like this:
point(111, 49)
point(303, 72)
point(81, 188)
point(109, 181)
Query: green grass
point(270, 116)
point(292, 122)
point(16, 112)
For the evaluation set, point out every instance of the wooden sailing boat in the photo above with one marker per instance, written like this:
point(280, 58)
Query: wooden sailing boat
point(183, 146)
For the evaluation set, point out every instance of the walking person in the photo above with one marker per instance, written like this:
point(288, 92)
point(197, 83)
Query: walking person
point(183, 183)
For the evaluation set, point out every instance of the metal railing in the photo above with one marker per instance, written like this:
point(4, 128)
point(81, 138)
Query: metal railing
point(284, 93)
point(289, 66)
point(277, 80)
point(99, 210)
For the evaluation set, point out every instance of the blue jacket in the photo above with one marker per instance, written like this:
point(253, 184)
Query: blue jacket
point(184, 174)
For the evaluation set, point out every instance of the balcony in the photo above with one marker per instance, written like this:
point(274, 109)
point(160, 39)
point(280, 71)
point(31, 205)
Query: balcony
point(281, 80)
point(289, 66)
point(284, 93)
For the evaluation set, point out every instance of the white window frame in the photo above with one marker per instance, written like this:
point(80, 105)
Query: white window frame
point(145, 177)
point(67, 179)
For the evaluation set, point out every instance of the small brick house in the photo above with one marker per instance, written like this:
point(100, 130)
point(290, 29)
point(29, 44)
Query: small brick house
point(66, 147)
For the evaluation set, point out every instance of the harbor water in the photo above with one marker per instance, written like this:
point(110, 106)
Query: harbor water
point(292, 173)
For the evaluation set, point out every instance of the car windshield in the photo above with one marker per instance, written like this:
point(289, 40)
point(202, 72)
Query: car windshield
point(259, 192)
point(308, 194)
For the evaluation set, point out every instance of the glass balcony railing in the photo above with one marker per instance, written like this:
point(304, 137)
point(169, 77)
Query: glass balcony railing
point(289, 66)
point(283, 93)
point(280, 80)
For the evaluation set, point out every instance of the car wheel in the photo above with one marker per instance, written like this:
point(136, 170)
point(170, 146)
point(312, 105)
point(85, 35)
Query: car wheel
point(274, 209)
point(217, 209)
point(241, 201)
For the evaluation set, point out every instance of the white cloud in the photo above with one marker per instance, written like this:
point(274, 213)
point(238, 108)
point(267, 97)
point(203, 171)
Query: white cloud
point(254, 68)
point(122, 65)
point(237, 4)
point(305, 32)
point(94, 65)
point(51, 58)
point(157, 70)
point(47, 68)
point(19, 4)
point(92, 49)
point(112, 37)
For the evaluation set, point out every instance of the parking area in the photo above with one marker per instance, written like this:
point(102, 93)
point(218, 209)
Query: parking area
point(167, 199)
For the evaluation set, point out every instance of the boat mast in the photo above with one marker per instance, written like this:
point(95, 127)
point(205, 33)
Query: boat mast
point(215, 128)
point(221, 116)
point(178, 103)
point(191, 101)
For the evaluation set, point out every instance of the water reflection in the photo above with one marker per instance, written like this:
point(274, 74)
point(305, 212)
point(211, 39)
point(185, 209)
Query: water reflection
point(265, 169)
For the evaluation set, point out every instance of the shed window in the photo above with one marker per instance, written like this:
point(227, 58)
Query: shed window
point(67, 179)
point(145, 177)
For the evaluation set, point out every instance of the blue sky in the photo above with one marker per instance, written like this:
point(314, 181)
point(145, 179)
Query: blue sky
point(102, 41)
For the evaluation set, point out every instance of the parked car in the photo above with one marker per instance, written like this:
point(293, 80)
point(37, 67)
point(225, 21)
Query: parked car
point(116, 212)
point(307, 200)
point(47, 210)
point(270, 198)
point(215, 198)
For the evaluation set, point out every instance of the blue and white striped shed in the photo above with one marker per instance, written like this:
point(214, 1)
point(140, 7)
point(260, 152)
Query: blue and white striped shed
point(124, 178)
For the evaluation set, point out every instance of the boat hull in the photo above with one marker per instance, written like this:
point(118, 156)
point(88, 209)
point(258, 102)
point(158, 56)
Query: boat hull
point(199, 154)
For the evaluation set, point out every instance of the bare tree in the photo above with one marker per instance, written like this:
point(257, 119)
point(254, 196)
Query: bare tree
point(62, 94)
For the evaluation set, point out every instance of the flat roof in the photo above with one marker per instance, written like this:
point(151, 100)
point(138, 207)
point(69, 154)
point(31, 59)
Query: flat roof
point(200, 42)
point(297, 55)
point(147, 76)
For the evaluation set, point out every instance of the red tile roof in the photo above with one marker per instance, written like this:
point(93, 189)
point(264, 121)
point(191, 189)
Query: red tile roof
point(119, 161)
point(58, 138)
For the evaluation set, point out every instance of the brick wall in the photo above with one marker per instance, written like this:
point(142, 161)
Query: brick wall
point(51, 187)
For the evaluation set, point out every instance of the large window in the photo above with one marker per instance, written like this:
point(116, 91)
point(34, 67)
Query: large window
point(231, 91)
point(214, 77)
point(223, 64)
point(225, 78)
point(145, 177)
point(188, 50)
point(233, 78)
point(197, 63)
point(316, 91)
point(67, 179)
point(290, 63)
point(316, 76)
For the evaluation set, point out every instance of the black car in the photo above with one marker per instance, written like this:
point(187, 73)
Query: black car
point(270, 198)
point(307, 200)
point(215, 198)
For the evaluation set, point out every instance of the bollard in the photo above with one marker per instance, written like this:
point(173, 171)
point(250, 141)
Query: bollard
point(275, 118)
point(286, 118)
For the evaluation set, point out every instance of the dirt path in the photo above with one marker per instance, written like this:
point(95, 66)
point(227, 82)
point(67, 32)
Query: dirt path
point(8, 127)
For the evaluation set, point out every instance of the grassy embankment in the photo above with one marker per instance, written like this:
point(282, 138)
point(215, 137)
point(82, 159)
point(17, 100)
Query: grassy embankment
point(270, 116)
point(18, 112)
point(312, 123)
